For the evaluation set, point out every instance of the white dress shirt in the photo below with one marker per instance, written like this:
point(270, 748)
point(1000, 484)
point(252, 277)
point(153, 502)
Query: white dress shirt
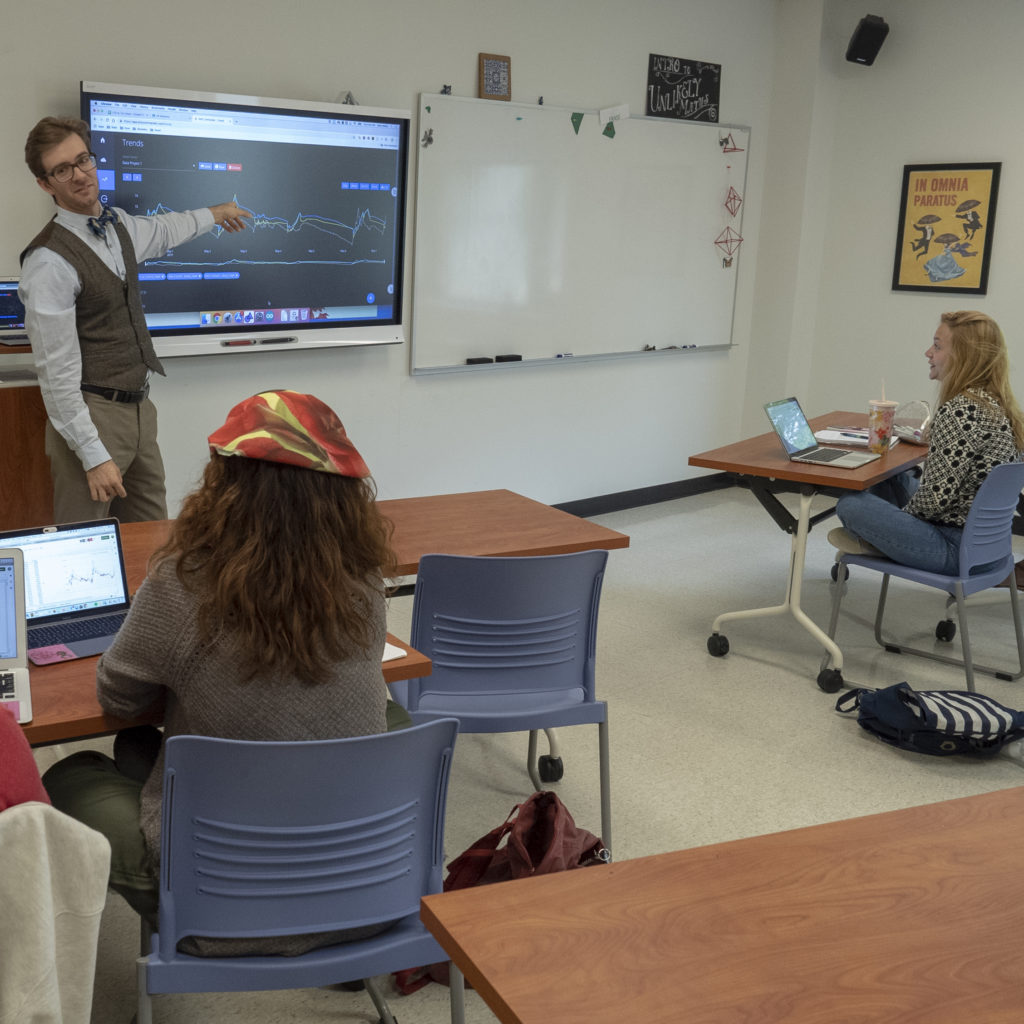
point(49, 289)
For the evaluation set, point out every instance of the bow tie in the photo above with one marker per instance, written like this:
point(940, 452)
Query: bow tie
point(98, 225)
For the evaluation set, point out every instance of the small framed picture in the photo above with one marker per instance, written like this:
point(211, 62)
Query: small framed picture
point(944, 233)
point(495, 77)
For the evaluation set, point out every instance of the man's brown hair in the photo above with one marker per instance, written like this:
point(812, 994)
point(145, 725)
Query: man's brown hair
point(50, 132)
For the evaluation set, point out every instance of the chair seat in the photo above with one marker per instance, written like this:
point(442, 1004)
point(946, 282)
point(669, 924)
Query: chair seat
point(971, 584)
point(406, 944)
point(516, 711)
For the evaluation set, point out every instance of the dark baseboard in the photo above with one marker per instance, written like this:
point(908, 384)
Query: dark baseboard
point(621, 500)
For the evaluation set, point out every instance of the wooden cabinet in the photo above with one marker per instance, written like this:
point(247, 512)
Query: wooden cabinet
point(26, 492)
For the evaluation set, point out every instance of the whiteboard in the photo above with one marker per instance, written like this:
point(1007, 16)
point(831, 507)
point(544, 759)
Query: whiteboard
point(537, 239)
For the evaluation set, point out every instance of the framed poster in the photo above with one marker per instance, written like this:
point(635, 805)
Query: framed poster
point(946, 222)
point(494, 77)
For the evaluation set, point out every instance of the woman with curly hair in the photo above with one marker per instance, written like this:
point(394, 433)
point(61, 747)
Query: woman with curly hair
point(262, 618)
point(977, 425)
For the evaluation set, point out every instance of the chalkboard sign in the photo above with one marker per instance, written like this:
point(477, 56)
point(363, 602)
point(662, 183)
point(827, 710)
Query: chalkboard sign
point(684, 89)
point(542, 233)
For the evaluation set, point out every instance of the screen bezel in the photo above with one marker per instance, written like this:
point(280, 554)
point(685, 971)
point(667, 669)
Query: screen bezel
point(245, 338)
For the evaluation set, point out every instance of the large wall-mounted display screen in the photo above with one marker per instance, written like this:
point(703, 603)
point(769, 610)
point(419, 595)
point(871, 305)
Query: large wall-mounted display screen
point(321, 260)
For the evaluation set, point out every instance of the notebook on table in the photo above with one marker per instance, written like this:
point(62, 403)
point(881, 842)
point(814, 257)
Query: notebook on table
point(76, 591)
point(801, 445)
point(15, 694)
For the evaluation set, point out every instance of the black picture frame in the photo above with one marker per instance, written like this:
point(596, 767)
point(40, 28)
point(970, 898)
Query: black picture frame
point(949, 205)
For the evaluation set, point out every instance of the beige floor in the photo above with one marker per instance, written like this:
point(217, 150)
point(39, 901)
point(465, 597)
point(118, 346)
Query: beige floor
point(703, 749)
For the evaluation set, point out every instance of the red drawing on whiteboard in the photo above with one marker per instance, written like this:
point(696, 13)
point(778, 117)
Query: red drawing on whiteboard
point(728, 144)
point(733, 200)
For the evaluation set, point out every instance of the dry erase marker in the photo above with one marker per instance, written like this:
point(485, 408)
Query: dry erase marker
point(563, 355)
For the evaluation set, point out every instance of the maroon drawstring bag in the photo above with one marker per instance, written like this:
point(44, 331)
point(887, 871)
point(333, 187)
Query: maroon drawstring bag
point(541, 838)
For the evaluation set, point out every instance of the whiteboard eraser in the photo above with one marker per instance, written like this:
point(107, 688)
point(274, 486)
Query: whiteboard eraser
point(618, 113)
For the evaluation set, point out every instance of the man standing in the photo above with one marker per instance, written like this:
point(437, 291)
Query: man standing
point(84, 318)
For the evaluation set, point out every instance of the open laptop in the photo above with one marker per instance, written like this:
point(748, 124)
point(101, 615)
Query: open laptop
point(12, 313)
point(76, 592)
point(801, 445)
point(15, 694)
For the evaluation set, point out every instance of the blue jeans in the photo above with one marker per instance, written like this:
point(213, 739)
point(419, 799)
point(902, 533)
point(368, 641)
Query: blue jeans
point(877, 516)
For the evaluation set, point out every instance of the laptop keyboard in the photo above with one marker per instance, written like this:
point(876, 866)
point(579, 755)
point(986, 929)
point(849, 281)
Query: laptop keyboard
point(823, 455)
point(78, 629)
point(6, 685)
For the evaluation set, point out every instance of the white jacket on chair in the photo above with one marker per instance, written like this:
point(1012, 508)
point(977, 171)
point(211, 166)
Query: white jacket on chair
point(53, 887)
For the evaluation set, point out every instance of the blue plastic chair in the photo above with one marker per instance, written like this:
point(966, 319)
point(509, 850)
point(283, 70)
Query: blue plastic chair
point(512, 646)
point(270, 839)
point(987, 541)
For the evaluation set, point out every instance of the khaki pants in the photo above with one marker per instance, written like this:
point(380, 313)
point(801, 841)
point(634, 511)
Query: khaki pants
point(128, 432)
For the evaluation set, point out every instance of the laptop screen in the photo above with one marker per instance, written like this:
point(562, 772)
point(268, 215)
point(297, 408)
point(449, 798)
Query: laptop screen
point(791, 425)
point(72, 570)
point(8, 610)
point(12, 312)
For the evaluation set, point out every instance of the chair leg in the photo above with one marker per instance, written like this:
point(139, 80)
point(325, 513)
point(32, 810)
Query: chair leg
point(965, 640)
point(966, 662)
point(880, 612)
point(606, 785)
point(379, 1002)
point(1017, 627)
point(144, 1011)
point(457, 994)
point(531, 761)
point(837, 599)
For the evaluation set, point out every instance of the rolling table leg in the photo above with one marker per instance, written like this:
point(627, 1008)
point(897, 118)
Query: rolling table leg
point(798, 551)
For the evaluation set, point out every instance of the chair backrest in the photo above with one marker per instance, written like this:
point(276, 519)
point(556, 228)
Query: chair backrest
point(513, 625)
point(987, 532)
point(271, 838)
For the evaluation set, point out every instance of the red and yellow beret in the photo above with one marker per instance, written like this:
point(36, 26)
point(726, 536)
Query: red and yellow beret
point(291, 428)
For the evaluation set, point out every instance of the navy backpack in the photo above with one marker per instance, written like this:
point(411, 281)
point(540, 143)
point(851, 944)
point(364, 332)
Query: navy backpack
point(938, 722)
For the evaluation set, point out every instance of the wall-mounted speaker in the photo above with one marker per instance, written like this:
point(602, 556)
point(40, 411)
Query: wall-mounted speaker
point(867, 40)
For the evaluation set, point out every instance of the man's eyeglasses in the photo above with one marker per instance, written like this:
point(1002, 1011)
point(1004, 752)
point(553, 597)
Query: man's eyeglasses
point(65, 172)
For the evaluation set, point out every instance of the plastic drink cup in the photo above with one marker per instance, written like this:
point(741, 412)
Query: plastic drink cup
point(880, 417)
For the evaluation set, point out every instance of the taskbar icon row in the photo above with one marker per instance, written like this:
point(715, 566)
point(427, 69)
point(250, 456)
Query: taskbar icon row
point(248, 317)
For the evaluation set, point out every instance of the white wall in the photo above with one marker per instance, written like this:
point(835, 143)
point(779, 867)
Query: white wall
point(556, 433)
point(946, 87)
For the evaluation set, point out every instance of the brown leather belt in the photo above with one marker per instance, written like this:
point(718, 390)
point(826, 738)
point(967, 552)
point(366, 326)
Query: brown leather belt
point(116, 395)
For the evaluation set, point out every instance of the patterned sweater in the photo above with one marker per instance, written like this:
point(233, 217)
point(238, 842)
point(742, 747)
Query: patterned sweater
point(969, 436)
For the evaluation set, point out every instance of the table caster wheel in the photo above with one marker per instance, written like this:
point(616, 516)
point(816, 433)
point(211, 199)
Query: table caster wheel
point(830, 680)
point(718, 645)
point(945, 630)
point(835, 572)
point(549, 768)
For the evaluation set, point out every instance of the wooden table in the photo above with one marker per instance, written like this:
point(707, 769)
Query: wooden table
point(907, 917)
point(64, 701)
point(761, 464)
point(64, 704)
point(489, 523)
